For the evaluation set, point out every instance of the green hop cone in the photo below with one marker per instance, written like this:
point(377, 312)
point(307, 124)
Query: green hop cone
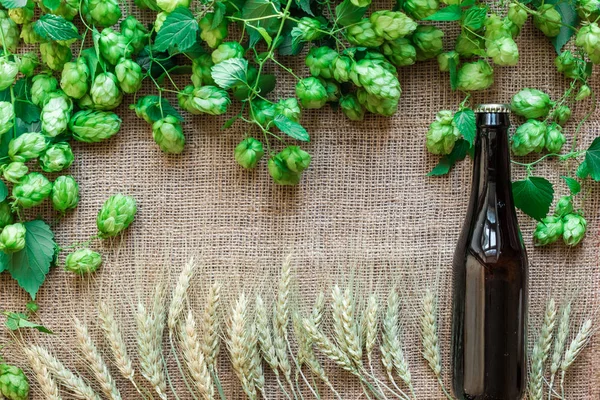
point(377, 105)
point(74, 80)
point(311, 92)
point(288, 108)
point(427, 40)
point(86, 102)
point(210, 100)
point(201, 70)
point(129, 74)
point(116, 214)
point(10, 32)
point(249, 152)
point(280, 172)
point(135, 32)
point(26, 146)
point(105, 91)
point(442, 133)
point(147, 5)
point(564, 206)
point(517, 14)
point(380, 60)
point(420, 9)
point(263, 112)
point(531, 103)
point(529, 137)
point(332, 89)
point(55, 55)
point(12, 239)
point(102, 12)
point(65, 193)
point(41, 87)
point(548, 20)
point(496, 28)
point(296, 159)
point(92, 126)
point(503, 51)
point(342, 66)
point(170, 5)
point(67, 9)
point(13, 383)
point(555, 139)
point(32, 190)
point(361, 3)
point(56, 113)
point(168, 134)
point(27, 63)
point(185, 99)
point(114, 46)
point(14, 171)
point(161, 17)
point(320, 61)
point(6, 214)
point(22, 15)
point(574, 229)
point(400, 52)
point(375, 79)
point(584, 92)
point(7, 116)
point(477, 75)
point(141, 108)
point(561, 114)
point(226, 51)
point(8, 72)
point(392, 25)
point(28, 35)
point(83, 261)
point(588, 9)
point(444, 60)
point(569, 65)
point(57, 157)
point(363, 34)
point(547, 231)
point(469, 45)
point(352, 108)
point(212, 36)
point(309, 29)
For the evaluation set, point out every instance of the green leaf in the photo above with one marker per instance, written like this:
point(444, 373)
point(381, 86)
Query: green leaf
point(592, 159)
point(266, 84)
point(467, 3)
point(304, 5)
point(54, 27)
point(288, 46)
point(230, 72)
point(449, 13)
point(229, 123)
point(30, 265)
point(474, 17)
point(347, 13)
point(583, 171)
point(220, 9)
point(533, 196)
point(465, 122)
point(27, 111)
point(155, 113)
point(153, 63)
point(10, 4)
point(15, 321)
point(291, 128)
point(458, 153)
point(574, 186)
point(569, 17)
point(51, 4)
point(262, 9)
point(91, 59)
point(3, 191)
point(180, 30)
point(452, 67)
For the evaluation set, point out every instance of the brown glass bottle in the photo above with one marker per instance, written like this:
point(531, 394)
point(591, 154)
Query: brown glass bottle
point(490, 275)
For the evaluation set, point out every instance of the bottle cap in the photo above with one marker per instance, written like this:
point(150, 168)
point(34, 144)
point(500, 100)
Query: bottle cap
point(493, 108)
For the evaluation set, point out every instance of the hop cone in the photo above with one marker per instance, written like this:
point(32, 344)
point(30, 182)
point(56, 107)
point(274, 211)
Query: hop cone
point(311, 92)
point(160, 20)
point(168, 134)
point(7, 116)
point(56, 113)
point(363, 34)
point(392, 25)
point(263, 112)
point(529, 137)
point(588, 9)
point(83, 261)
point(503, 51)
point(10, 32)
point(288, 108)
point(561, 114)
point(55, 55)
point(114, 46)
point(116, 214)
point(564, 206)
point(170, 5)
point(548, 231)
point(74, 81)
point(141, 108)
point(420, 9)
point(212, 36)
point(477, 75)
point(444, 60)
point(331, 88)
point(102, 12)
point(352, 108)
point(280, 173)
point(57, 157)
point(584, 92)
point(469, 45)
point(531, 103)
point(201, 70)
point(320, 61)
point(377, 105)
point(548, 20)
point(129, 74)
point(375, 79)
point(26, 146)
point(94, 126)
point(32, 190)
point(226, 51)
point(517, 14)
point(296, 159)
point(185, 99)
point(65, 193)
point(442, 133)
point(41, 87)
point(210, 100)
point(13, 383)
point(8, 72)
point(496, 28)
point(15, 171)
point(27, 63)
point(555, 139)
point(105, 91)
point(6, 215)
point(22, 15)
point(574, 229)
point(309, 29)
point(249, 152)
point(588, 38)
point(569, 65)
point(12, 239)
point(400, 52)
point(28, 35)
point(428, 41)
point(136, 34)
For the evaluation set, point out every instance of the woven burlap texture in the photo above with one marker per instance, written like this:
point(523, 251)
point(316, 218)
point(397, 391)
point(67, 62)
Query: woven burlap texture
point(364, 212)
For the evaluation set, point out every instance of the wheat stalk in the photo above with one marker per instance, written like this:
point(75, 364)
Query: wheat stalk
point(194, 358)
point(540, 352)
point(210, 322)
point(265, 336)
point(371, 325)
point(112, 332)
point(68, 379)
point(345, 326)
point(48, 386)
point(150, 328)
point(559, 344)
point(180, 293)
point(239, 345)
point(95, 361)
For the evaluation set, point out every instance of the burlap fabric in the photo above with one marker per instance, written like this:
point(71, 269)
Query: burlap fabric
point(364, 212)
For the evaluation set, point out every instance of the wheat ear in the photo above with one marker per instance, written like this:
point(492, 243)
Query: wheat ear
point(77, 386)
point(48, 386)
point(327, 347)
point(281, 317)
point(265, 336)
point(581, 340)
point(559, 344)
point(150, 328)
point(180, 293)
point(239, 343)
point(540, 352)
point(371, 325)
point(210, 321)
point(112, 332)
point(194, 358)
point(317, 309)
point(345, 326)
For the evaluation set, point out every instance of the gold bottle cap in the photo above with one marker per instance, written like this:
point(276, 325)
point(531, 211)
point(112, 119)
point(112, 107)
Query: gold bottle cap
point(492, 108)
